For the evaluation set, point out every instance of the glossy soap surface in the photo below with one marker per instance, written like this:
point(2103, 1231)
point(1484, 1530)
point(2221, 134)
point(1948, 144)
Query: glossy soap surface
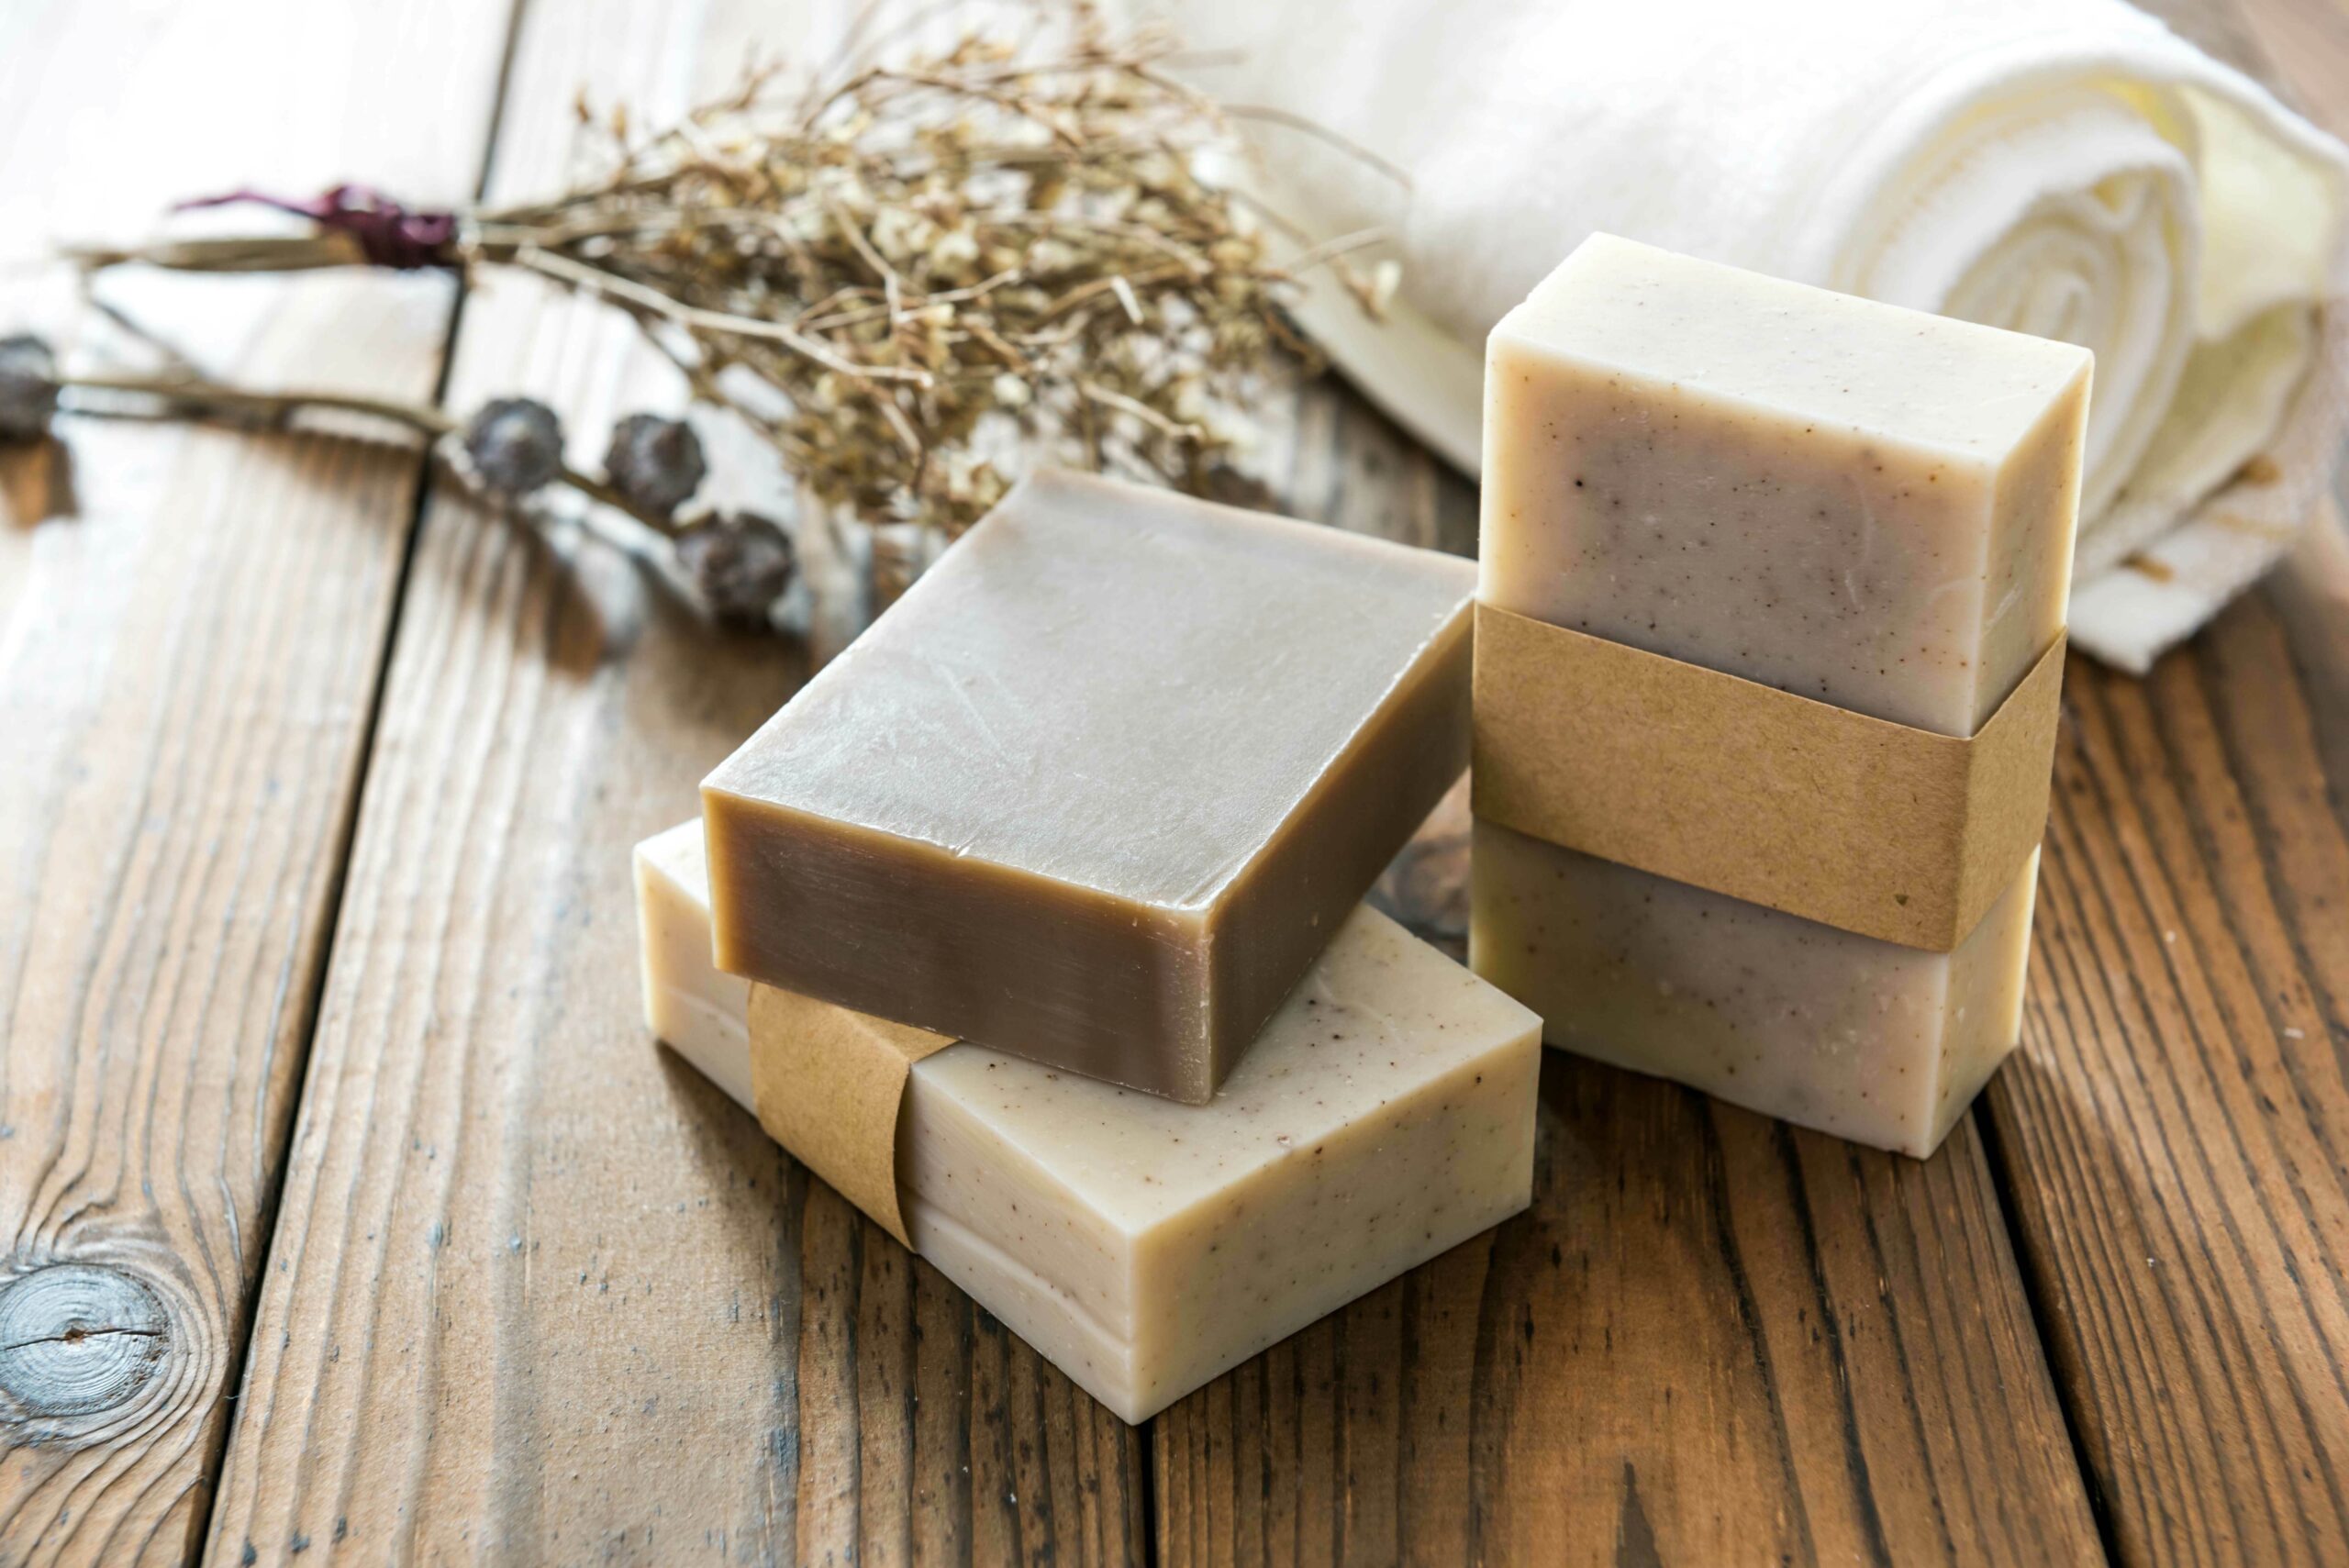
point(1144, 1247)
point(1102, 783)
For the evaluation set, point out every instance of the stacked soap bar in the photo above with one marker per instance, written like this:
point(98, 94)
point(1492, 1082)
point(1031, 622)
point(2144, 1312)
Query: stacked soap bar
point(1033, 924)
point(1144, 1246)
point(1859, 1037)
point(1864, 506)
point(1102, 785)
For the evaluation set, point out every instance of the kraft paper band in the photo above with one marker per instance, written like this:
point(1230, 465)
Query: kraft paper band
point(1760, 793)
point(827, 1083)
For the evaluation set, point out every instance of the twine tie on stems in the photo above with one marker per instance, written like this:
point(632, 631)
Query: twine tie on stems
point(387, 234)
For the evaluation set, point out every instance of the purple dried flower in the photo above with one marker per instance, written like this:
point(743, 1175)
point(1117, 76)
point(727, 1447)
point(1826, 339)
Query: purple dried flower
point(28, 387)
point(388, 234)
point(740, 563)
point(655, 463)
point(516, 445)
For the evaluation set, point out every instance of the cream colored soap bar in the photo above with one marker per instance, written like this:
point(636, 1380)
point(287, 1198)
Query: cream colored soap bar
point(1384, 1114)
point(1863, 504)
point(1860, 1037)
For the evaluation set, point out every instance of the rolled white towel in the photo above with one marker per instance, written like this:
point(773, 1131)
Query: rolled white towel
point(2064, 167)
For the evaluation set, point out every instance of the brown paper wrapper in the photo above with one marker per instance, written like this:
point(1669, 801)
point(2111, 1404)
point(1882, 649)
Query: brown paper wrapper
point(1767, 796)
point(828, 1085)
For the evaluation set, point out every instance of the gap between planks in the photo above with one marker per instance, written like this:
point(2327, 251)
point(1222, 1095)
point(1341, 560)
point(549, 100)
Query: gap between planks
point(426, 480)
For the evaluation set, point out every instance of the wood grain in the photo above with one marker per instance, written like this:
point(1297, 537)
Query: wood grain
point(2172, 1129)
point(536, 1291)
point(190, 643)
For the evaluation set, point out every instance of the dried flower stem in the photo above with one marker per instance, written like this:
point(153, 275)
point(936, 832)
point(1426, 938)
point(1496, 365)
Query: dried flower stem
point(254, 253)
point(182, 396)
point(178, 397)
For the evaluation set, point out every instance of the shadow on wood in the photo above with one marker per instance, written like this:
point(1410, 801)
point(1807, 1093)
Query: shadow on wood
point(1713, 1339)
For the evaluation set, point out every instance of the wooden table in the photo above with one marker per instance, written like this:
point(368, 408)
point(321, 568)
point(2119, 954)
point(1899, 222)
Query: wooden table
point(352, 1207)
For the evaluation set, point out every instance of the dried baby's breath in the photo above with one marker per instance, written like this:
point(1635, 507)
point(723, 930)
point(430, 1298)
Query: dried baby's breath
point(910, 278)
point(938, 262)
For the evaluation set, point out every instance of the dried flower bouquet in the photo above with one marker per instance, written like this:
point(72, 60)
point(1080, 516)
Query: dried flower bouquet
point(908, 278)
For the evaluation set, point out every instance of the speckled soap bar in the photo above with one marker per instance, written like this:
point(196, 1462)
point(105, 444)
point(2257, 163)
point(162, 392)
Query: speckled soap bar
point(1860, 1037)
point(1384, 1114)
point(1863, 504)
point(1098, 788)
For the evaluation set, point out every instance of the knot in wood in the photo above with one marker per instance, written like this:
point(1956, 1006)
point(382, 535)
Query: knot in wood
point(76, 1338)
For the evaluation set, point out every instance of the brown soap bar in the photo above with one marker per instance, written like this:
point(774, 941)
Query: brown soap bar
point(1102, 785)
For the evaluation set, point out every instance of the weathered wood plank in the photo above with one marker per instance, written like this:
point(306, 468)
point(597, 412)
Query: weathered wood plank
point(2172, 1129)
point(536, 1291)
point(188, 662)
point(1713, 1339)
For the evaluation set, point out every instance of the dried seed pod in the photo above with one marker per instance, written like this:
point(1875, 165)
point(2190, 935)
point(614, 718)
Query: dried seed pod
point(656, 464)
point(28, 387)
point(740, 563)
point(516, 445)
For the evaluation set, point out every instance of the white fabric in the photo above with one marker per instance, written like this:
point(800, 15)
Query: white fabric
point(2067, 167)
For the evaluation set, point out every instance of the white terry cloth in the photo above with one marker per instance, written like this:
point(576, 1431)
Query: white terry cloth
point(2064, 167)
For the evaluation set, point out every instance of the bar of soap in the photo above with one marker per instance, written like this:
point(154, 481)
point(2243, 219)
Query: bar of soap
point(1863, 505)
point(1102, 785)
point(1864, 1038)
point(1144, 1247)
